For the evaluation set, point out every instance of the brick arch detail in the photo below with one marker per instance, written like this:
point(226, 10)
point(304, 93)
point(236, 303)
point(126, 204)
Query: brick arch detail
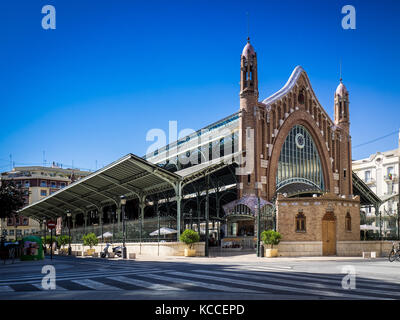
point(300, 117)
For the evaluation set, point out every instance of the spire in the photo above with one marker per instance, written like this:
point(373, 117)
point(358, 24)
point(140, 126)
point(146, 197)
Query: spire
point(248, 27)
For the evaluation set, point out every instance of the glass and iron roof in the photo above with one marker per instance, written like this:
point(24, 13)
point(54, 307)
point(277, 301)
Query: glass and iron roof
point(130, 176)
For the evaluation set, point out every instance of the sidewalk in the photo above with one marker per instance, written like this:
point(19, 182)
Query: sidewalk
point(244, 258)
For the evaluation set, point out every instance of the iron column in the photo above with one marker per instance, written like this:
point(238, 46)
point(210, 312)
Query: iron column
point(123, 203)
point(69, 232)
point(207, 214)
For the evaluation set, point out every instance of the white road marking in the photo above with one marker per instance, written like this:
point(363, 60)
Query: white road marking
point(304, 283)
point(145, 284)
point(6, 289)
point(95, 284)
point(201, 284)
point(271, 286)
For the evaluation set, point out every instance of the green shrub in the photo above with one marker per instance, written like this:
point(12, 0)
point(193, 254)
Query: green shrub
point(90, 240)
point(189, 237)
point(47, 239)
point(271, 237)
point(62, 240)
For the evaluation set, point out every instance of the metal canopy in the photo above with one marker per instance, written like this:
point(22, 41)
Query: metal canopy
point(130, 176)
point(367, 196)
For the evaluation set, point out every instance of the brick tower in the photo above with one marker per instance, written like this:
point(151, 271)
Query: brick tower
point(342, 120)
point(248, 121)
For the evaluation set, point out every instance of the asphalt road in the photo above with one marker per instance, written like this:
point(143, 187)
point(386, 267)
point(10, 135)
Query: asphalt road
point(203, 278)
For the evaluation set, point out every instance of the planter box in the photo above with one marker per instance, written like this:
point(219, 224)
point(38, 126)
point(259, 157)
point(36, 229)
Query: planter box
point(190, 252)
point(270, 253)
point(89, 252)
point(132, 256)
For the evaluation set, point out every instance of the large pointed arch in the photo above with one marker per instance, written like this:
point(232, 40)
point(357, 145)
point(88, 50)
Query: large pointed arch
point(299, 117)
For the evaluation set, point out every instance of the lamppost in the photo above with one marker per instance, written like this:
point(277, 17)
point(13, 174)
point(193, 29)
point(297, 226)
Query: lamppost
point(207, 215)
point(123, 203)
point(258, 225)
point(190, 216)
point(69, 232)
point(44, 235)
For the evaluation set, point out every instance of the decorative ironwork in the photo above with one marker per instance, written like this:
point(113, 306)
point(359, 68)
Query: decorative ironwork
point(299, 161)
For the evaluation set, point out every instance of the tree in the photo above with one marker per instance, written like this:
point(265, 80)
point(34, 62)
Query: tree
point(90, 240)
point(11, 199)
point(189, 237)
point(63, 241)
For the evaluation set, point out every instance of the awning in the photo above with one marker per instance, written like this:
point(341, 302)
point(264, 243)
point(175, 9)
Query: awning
point(130, 176)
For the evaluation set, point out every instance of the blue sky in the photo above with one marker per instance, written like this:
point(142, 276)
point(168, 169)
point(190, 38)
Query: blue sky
point(112, 70)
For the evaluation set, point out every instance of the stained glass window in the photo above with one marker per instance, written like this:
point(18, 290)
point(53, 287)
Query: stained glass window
point(299, 161)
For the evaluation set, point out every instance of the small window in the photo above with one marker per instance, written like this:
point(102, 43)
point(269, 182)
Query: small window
point(344, 173)
point(248, 179)
point(27, 184)
point(11, 232)
point(301, 98)
point(43, 183)
point(53, 184)
point(348, 222)
point(43, 193)
point(62, 184)
point(300, 222)
point(367, 176)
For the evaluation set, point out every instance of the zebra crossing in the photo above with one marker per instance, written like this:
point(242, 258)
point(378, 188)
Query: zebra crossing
point(239, 279)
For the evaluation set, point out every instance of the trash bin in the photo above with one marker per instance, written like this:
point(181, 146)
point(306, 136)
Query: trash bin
point(261, 250)
point(32, 248)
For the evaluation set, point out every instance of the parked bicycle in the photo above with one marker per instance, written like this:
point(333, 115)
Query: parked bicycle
point(395, 252)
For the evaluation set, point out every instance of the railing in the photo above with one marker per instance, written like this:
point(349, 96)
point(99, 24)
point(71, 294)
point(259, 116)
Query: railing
point(134, 231)
point(391, 177)
point(369, 180)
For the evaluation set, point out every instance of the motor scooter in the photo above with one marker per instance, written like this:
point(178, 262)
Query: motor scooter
point(116, 250)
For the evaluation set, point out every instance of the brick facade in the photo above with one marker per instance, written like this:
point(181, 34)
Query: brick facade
point(314, 210)
point(270, 122)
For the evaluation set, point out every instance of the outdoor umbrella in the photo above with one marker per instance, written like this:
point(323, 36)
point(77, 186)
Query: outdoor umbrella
point(368, 227)
point(163, 231)
point(106, 235)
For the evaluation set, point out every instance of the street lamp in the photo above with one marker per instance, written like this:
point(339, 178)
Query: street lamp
point(44, 236)
point(190, 216)
point(258, 226)
point(123, 203)
point(69, 232)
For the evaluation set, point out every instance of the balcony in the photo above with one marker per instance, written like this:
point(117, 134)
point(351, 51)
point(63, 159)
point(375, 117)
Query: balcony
point(369, 181)
point(393, 177)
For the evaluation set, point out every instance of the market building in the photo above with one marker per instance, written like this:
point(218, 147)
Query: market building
point(279, 163)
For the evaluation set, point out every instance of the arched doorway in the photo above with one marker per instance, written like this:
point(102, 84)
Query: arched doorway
point(329, 234)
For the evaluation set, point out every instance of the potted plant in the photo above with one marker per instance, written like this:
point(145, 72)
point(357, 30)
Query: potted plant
point(271, 238)
point(62, 242)
point(189, 237)
point(90, 240)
